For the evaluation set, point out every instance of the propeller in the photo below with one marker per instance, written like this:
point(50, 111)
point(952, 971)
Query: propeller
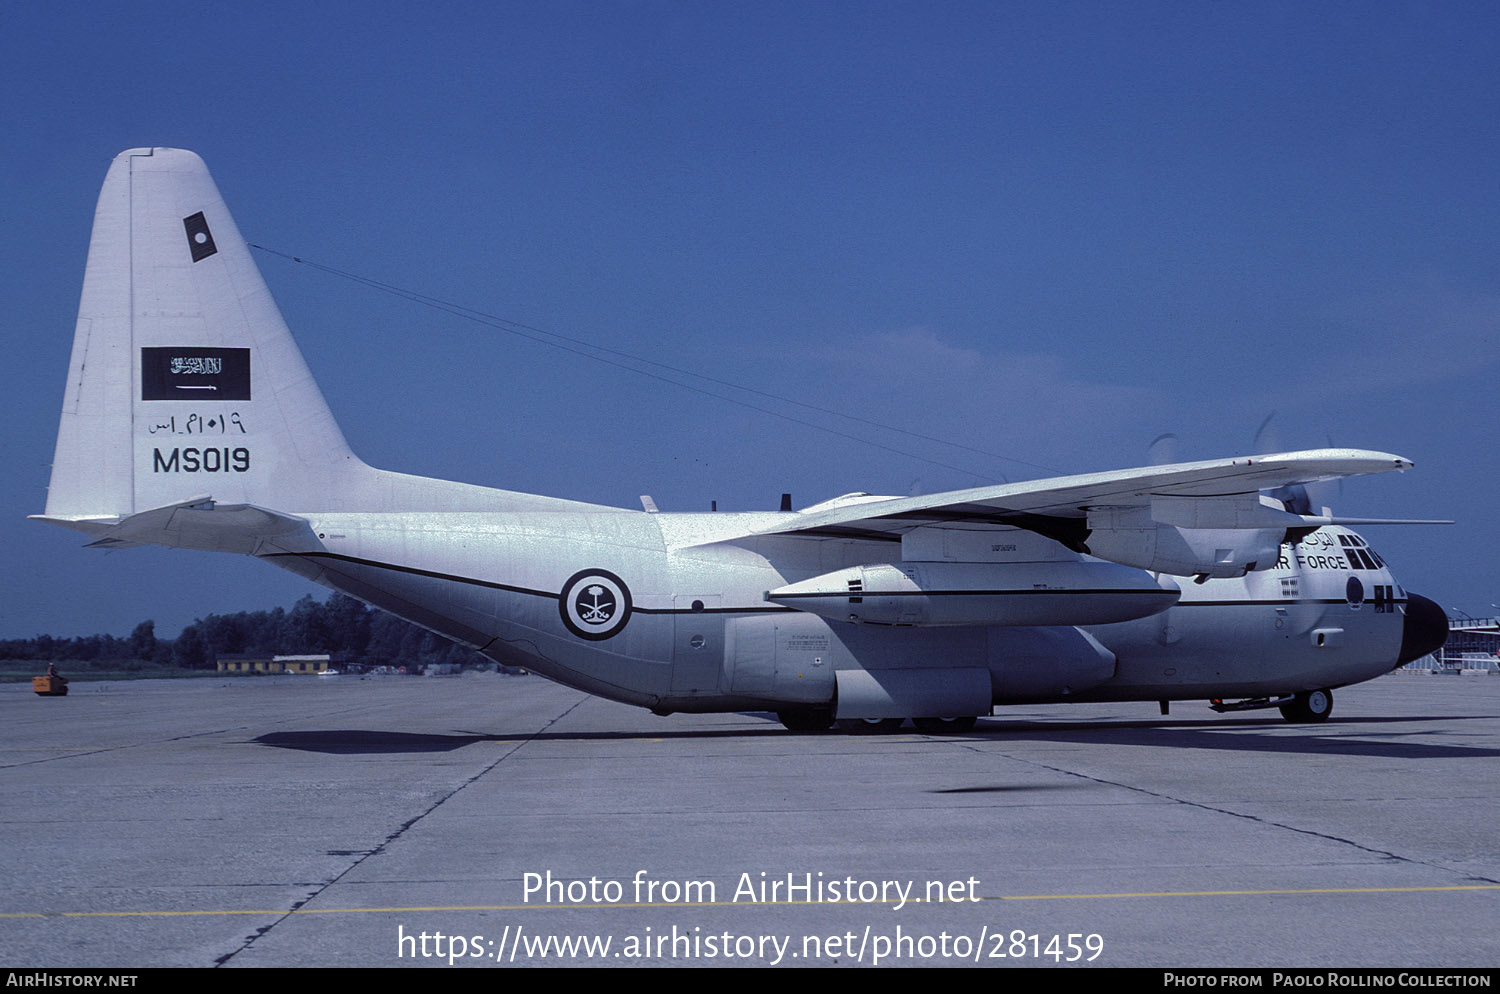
point(1310, 500)
point(1299, 498)
point(1162, 451)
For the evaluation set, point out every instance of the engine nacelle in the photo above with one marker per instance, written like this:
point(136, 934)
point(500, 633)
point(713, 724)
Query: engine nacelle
point(1216, 538)
point(1080, 592)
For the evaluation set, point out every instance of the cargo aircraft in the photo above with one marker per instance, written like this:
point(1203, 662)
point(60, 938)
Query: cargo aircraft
point(190, 420)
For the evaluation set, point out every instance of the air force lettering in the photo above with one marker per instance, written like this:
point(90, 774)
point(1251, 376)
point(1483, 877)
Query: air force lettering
point(594, 604)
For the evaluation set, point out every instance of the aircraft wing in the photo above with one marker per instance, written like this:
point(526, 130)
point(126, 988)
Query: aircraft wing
point(1095, 512)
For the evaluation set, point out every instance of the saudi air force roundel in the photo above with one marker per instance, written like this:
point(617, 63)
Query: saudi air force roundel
point(594, 604)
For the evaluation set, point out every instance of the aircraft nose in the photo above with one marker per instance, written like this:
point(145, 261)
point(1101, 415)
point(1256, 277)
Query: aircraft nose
point(1425, 629)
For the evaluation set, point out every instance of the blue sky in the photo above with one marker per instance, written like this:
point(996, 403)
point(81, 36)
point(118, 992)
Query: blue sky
point(1046, 232)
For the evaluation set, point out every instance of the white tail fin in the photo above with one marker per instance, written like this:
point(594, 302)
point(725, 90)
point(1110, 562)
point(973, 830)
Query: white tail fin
point(184, 379)
point(185, 387)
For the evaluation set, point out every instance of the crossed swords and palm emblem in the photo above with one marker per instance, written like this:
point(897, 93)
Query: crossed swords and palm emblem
point(595, 605)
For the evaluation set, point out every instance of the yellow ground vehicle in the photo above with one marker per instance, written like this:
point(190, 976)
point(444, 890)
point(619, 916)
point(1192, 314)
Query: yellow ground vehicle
point(51, 685)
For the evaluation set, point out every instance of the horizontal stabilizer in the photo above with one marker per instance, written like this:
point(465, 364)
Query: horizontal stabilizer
point(200, 523)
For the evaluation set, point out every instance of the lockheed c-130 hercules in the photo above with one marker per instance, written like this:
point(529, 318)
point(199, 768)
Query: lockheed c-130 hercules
point(191, 421)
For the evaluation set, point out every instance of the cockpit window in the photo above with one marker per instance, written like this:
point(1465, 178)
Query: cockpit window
point(1360, 555)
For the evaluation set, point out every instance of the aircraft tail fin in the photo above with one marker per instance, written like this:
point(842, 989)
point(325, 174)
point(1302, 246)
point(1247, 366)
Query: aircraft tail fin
point(186, 392)
point(184, 377)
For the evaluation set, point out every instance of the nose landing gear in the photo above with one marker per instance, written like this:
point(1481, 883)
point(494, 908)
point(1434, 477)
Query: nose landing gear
point(1308, 707)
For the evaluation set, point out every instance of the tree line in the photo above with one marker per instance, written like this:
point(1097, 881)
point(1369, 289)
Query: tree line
point(340, 626)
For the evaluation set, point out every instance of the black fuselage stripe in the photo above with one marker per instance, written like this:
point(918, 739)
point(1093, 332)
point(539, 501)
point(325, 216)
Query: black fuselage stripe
point(413, 570)
point(510, 588)
point(551, 595)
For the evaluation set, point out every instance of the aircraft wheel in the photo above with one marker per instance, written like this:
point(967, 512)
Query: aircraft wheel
point(1309, 707)
point(869, 726)
point(944, 726)
point(810, 720)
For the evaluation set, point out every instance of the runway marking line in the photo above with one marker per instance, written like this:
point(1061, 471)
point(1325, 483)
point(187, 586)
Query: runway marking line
point(735, 904)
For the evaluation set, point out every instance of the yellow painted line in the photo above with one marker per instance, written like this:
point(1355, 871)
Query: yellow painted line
point(747, 904)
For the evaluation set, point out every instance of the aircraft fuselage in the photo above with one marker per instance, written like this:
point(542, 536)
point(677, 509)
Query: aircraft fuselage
point(656, 610)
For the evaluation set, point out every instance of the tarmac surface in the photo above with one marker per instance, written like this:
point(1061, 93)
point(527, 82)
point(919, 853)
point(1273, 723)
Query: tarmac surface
point(299, 821)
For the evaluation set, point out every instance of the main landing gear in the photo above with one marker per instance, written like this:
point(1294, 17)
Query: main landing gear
point(1306, 708)
point(821, 719)
point(807, 720)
